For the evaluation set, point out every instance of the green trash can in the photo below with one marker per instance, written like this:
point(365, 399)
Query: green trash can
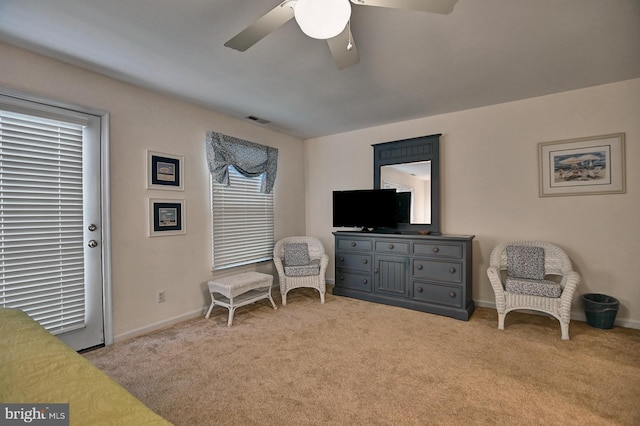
point(601, 310)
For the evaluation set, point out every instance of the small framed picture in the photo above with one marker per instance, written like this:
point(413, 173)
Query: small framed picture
point(165, 171)
point(166, 217)
point(586, 166)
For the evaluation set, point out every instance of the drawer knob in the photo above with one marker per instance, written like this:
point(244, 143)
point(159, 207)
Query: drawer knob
point(390, 246)
point(353, 244)
point(452, 270)
point(365, 261)
point(420, 290)
point(375, 270)
point(436, 249)
point(365, 281)
point(341, 277)
point(452, 295)
point(342, 259)
point(420, 267)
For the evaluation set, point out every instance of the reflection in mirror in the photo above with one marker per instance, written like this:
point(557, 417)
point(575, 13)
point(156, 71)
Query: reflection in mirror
point(412, 181)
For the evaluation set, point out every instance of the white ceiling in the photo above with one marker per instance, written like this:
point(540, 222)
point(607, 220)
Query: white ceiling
point(412, 64)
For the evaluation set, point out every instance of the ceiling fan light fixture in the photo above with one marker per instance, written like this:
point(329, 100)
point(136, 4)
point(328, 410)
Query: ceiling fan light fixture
point(322, 19)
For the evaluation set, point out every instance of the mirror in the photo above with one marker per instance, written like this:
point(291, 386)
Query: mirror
point(411, 166)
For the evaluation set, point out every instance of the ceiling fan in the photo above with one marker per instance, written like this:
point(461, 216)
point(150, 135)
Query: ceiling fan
point(327, 20)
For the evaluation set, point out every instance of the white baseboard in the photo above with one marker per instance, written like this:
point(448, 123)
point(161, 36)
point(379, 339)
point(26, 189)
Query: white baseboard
point(170, 321)
point(577, 315)
point(158, 325)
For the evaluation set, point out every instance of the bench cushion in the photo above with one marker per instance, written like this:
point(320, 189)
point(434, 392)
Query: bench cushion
point(543, 288)
point(235, 285)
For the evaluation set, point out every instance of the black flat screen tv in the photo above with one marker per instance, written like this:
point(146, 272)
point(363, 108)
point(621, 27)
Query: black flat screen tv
point(365, 208)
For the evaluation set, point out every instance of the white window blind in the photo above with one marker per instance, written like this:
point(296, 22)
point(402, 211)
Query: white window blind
point(242, 222)
point(41, 220)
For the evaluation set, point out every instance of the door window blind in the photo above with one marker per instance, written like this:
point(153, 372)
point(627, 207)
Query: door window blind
point(41, 219)
point(242, 222)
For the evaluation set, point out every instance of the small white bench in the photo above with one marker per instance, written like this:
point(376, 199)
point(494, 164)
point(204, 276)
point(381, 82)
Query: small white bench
point(239, 290)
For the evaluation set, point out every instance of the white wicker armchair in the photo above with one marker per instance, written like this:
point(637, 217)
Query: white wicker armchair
point(556, 263)
point(316, 252)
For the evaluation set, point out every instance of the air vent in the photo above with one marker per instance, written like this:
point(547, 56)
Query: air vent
point(258, 119)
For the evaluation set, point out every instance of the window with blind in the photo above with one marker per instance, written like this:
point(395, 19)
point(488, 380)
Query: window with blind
point(41, 219)
point(242, 221)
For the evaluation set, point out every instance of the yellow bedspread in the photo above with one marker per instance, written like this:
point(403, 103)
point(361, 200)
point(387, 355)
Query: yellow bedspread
point(36, 367)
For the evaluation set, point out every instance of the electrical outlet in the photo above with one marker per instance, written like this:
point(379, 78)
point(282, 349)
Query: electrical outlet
point(161, 296)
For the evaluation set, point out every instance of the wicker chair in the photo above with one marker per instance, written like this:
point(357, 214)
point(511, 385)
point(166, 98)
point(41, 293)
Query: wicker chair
point(316, 256)
point(556, 263)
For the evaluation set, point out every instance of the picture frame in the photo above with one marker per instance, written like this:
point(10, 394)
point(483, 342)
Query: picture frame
point(583, 166)
point(166, 217)
point(165, 171)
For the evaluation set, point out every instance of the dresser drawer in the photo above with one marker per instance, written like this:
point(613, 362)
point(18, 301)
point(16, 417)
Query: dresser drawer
point(438, 250)
point(360, 282)
point(437, 270)
point(439, 294)
point(389, 246)
point(359, 262)
point(353, 244)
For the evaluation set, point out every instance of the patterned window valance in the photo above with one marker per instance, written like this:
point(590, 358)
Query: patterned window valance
point(249, 158)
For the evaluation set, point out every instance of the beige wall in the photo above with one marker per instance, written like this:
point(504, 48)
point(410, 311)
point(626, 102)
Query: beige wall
point(141, 120)
point(489, 170)
point(489, 184)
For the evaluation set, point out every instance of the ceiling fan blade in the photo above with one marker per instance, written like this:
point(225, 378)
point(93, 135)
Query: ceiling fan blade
point(342, 55)
point(269, 22)
point(444, 7)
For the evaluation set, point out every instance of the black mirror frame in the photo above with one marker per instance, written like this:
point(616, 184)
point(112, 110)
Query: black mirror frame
point(423, 148)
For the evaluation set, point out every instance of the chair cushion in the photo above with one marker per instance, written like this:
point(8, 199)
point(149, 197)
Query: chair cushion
point(296, 254)
point(313, 268)
point(525, 262)
point(543, 288)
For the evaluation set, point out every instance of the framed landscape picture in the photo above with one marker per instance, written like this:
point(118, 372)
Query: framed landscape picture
point(165, 171)
point(593, 165)
point(166, 217)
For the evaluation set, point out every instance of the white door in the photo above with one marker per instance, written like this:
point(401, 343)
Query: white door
point(51, 231)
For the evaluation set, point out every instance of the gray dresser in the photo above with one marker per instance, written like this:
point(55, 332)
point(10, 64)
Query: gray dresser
point(425, 273)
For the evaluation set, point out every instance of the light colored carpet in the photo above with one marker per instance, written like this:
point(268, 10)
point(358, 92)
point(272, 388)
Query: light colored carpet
point(351, 362)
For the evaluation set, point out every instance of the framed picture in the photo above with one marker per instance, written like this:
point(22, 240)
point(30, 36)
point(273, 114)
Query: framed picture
point(166, 217)
point(594, 165)
point(165, 171)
